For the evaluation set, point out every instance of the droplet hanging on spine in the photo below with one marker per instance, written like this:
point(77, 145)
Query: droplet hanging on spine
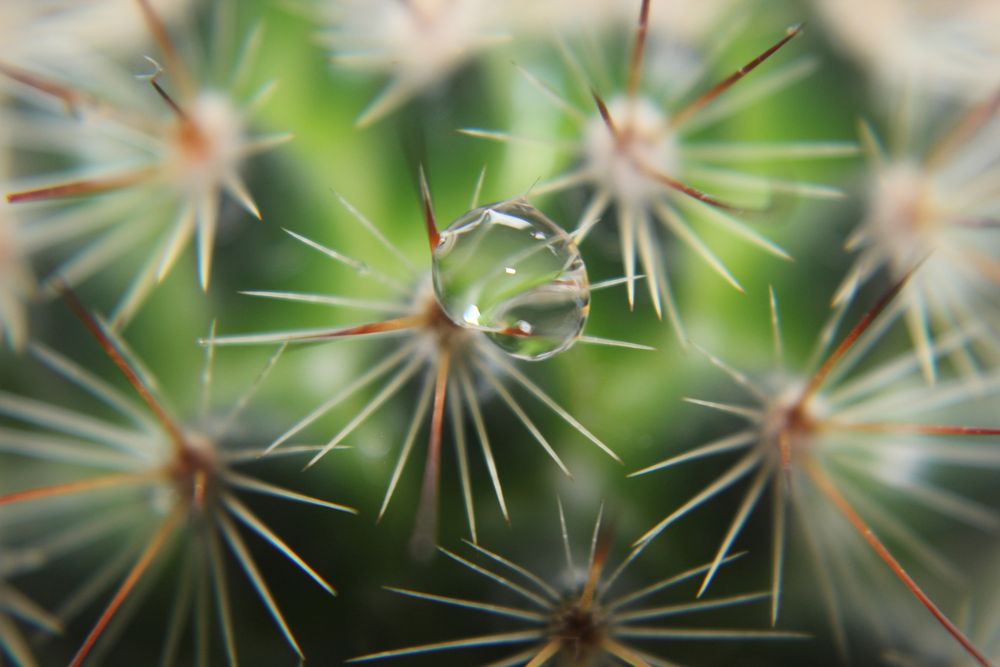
point(509, 271)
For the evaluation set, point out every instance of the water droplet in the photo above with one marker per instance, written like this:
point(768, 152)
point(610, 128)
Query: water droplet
point(510, 271)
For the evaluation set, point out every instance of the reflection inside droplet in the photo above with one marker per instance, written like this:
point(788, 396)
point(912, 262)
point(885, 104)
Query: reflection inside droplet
point(510, 271)
point(471, 315)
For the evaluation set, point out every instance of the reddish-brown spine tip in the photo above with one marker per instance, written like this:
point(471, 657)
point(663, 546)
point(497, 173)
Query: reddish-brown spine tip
point(433, 236)
point(718, 89)
point(833, 494)
point(110, 349)
point(602, 108)
point(635, 66)
point(863, 324)
point(82, 188)
point(685, 189)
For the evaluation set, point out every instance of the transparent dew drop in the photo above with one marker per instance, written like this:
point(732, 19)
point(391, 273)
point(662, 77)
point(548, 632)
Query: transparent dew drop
point(509, 271)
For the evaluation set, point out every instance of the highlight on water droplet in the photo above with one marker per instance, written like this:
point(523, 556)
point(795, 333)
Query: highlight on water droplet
point(509, 271)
